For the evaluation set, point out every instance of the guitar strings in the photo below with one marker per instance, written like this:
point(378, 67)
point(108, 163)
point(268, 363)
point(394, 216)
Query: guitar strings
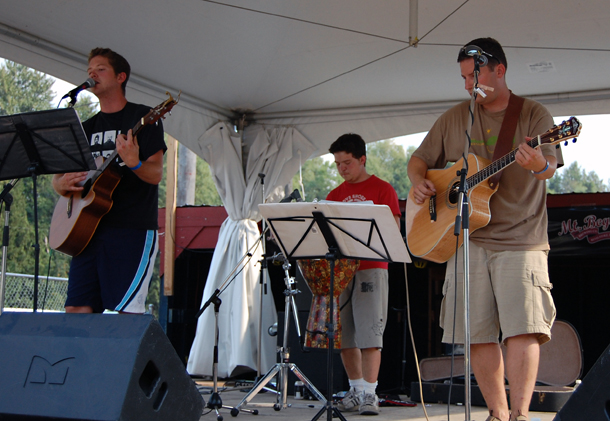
point(489, 170)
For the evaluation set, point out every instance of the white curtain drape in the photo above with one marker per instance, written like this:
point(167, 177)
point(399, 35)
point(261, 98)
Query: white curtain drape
point(277, 153)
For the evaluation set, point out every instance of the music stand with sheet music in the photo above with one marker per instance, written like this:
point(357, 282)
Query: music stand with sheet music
point(42, 142)
point(329, 230)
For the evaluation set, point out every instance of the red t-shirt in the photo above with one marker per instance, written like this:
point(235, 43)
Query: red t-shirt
point(374, 189)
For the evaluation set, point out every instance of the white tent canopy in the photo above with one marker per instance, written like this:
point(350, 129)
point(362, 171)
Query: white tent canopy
point(325, 67)
point(318, 67)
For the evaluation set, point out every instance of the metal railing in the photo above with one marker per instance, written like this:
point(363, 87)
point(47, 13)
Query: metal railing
point(19, 292)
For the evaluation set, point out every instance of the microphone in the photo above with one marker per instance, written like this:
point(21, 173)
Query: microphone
point(477, 53)
point(295, 195)
point(89, 83)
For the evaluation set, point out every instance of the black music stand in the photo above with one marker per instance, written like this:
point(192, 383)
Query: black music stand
point(42, 142)
point(328, 230)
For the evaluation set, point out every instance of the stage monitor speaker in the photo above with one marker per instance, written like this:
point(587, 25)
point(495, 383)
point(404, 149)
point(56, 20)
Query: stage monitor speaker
point(590, 400)
point(102, 367)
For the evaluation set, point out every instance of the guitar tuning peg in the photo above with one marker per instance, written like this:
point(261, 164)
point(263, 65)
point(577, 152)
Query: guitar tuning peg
point(557, 146)
point(574, 140)
point(565, 143)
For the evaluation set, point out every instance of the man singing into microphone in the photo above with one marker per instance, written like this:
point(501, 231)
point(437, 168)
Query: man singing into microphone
point(114, 271)
point(509, 283)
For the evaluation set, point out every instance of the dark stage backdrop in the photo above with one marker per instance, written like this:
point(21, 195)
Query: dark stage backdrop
point(579, 267)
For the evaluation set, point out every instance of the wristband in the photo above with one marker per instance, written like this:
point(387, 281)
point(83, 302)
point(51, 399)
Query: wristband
point(545, 168)
point(140, 164)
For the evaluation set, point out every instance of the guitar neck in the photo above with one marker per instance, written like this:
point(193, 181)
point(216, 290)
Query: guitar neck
point(500, 163)
point(566, 130)
point(136, 129)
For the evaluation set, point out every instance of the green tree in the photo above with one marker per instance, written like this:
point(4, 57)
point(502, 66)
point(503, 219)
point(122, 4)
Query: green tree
point(205, 190)
point(23, 89)
point(319, 178)
point(388, 161)
point(385, 159)
point(575, 179)
point(86, 107)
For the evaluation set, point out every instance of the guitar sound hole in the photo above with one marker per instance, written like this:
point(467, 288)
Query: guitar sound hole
point(454, 194)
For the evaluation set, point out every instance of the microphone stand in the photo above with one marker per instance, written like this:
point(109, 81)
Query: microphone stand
point(462, 222)
point(7, 198)
point(263, 282)
point(215, 401)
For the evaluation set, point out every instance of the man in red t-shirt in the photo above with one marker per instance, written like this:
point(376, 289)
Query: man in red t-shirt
point(364, 303)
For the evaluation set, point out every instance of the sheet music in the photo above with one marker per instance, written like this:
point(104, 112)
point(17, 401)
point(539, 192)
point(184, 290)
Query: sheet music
point(362, 231)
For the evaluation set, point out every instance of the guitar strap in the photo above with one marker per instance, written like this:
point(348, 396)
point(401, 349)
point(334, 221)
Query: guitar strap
point(507, 133)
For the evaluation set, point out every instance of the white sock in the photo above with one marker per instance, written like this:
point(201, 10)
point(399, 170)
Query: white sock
point(369, 388)
point(356, 385)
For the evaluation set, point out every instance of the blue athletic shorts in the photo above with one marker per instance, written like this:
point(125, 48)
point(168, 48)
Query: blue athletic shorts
point(114, 270)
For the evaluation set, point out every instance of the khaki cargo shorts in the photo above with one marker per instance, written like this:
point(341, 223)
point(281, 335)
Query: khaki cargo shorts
point(510, 294)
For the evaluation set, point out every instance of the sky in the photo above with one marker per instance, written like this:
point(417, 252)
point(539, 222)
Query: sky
point(591, 150)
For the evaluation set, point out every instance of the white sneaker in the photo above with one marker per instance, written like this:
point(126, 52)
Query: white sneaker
point(369, 404)
point(350, 402)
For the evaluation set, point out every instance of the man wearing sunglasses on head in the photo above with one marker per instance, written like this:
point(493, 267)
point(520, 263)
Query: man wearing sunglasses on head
point(509, 284)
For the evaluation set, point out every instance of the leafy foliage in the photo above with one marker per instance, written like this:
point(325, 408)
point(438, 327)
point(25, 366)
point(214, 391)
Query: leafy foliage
point(385, 159)
point(205, 190)
point(319, 178)
point(23, 89)
point(575, 179)
point(388, 161)
point(86, 107)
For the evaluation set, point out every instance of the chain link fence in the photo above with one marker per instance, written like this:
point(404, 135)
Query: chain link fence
point(19, 292)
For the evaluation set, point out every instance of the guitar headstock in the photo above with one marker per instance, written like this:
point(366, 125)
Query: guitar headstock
point(568, 129)
point(160, 110)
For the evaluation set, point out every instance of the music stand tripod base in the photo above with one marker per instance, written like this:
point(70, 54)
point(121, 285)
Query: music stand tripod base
point(281, 369)
point(277, 368)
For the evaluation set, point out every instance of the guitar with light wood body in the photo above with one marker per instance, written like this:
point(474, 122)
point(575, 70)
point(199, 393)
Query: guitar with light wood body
point(430, 225)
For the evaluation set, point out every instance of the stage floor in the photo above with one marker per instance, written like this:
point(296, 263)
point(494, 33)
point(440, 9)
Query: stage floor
point(307, 410)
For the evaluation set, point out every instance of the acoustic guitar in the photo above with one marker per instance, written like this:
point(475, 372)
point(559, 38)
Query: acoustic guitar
point(430, 225)
point(78, 214)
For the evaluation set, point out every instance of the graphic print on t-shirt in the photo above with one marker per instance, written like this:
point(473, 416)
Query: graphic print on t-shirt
point(103, 143)
point(355, 198)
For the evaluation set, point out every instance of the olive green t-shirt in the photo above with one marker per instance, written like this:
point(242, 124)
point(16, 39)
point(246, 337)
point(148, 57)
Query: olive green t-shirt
point(518, 208)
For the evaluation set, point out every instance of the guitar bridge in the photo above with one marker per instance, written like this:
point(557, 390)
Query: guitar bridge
point(432, 208)
point(69, 207)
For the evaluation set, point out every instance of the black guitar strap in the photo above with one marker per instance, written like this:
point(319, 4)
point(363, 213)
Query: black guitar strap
point(507, 133)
